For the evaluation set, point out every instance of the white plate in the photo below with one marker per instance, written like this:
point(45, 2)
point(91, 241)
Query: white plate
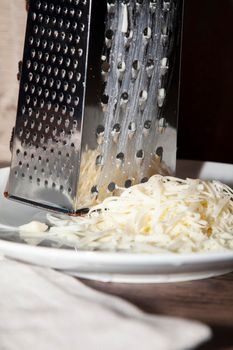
point(120, 267)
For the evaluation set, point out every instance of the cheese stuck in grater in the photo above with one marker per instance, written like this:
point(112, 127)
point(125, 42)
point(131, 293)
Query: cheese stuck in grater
point(98, 100)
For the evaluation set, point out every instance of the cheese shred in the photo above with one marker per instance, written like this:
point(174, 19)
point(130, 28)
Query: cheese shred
point(166, 214)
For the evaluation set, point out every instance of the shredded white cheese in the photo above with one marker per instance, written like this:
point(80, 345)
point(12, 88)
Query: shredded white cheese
point(166, 214)
point(34, 226)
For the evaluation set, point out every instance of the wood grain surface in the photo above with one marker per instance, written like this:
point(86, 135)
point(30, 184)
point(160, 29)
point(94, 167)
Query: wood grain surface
point(209, 301)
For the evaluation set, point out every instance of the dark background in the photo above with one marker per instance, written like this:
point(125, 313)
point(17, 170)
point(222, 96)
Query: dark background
point(206, 104)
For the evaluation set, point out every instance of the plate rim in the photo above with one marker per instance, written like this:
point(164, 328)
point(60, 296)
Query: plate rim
point(121, 258)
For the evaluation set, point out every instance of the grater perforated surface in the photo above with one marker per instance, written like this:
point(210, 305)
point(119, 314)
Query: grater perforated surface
point(97, 105)
point(47, 137)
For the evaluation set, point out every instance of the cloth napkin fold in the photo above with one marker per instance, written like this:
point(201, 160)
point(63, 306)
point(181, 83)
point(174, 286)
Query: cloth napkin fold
point(44, 309)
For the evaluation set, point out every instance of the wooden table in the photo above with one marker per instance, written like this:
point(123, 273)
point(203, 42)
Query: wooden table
point(209, 300)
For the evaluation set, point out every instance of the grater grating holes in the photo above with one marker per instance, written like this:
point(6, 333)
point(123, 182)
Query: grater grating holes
point(52, 42)
point(159, 153)
point(128, 183)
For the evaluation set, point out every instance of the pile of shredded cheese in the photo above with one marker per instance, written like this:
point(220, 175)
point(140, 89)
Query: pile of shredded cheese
point(166, 214)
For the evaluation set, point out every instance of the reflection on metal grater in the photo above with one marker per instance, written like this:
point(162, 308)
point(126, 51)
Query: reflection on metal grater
point(98, 100)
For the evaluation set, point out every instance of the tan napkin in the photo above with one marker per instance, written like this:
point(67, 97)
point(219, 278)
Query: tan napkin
point(44, 309)
point(12, 27)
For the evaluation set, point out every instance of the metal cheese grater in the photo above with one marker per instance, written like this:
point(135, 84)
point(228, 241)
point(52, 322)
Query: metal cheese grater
point(97, 107)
